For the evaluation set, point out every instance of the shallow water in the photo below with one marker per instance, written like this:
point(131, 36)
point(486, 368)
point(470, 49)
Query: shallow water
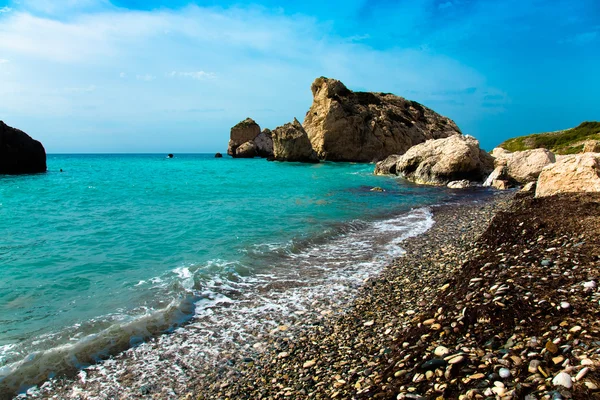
point(120, 247)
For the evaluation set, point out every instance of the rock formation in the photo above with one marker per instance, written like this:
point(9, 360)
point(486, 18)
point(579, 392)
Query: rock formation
point(575, 173)
point(591, 146)
point(19, 153)
point(358, 126)
point(218, 155)
point(523, 166)
point(241, 133)
point(437, 162)
point(499, 173)
point(246, 150)
point(463, 184)
point(264, 144)
point(387, 166)
point(291, 143)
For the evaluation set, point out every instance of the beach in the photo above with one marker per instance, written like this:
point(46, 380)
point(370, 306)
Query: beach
point(344, 334)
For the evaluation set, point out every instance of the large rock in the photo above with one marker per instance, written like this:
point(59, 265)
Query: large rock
point(264, 144)
point(246, 150)
point(359, 126)
point(19, 153)
point(499, 173)
point(525, 166)
point(591, 146)
point(241, 133)
point(290, 143)
point(437, 162)
point(387, 166)
point(575, 173)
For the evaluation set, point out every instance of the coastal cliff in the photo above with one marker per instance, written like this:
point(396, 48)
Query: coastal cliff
point(19, 153)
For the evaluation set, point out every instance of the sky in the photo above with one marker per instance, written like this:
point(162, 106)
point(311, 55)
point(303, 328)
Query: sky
point(97, 76)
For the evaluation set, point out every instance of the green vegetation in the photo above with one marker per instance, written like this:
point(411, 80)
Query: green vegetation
point(569, 141)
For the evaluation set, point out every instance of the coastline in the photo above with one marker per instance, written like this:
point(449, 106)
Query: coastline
point(189, 374)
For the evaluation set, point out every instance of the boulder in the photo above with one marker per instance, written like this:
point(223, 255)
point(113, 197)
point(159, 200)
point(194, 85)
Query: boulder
point(264, 144)
point(525, 166)
point(575, 173)
point(591, 146)
point(19, 153)
point(291, 143)
point(218, 155)
point(439, 161)
point(241, 133)
point(387, 166)
point(498, 173)
point(246, 150)
point(462, 184)
point(500, 184)
point(499, 153)
point(343, 125)
point(529, 187)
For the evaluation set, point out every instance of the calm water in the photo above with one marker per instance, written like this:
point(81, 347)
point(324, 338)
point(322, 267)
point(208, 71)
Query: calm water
point(115, 237)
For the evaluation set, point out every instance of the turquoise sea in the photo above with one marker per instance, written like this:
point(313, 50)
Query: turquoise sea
point(117, 248)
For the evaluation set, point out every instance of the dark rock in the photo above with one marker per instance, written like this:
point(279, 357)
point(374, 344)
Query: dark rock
point(169, 155)
point(218, 155)
point(19, 153)
point(290, 143)
point(434, 364)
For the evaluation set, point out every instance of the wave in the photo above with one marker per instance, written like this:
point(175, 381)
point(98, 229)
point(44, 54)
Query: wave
point(222, 302)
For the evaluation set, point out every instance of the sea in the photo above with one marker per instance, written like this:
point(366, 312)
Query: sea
point(105, 251)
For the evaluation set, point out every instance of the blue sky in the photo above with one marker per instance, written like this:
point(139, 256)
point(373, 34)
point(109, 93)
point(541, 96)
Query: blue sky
point(157, 76)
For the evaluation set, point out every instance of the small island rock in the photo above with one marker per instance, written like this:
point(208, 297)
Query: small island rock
point(343, 125)
point(290, 143)
point(241, 133)
point(19, 153)
point(218, 155)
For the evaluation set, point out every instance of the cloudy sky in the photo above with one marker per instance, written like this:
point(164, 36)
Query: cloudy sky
point(158, 76)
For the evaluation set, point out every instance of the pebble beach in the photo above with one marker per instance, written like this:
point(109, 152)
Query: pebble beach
point(498, 300)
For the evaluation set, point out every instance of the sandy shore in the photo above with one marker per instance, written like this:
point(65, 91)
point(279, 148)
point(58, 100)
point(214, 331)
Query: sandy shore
point(497, 300)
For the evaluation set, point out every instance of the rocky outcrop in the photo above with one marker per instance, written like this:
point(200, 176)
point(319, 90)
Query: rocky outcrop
point(437, 162)
point(591, 146)
point(218, 155)
point(264, 144)
point(246, 150)
point(463, 184)
point(575, 173)
point(525, 166)
point(358, 126)
point(291, 143)
point(387, 166)
point(241, 133)
point(19, 153)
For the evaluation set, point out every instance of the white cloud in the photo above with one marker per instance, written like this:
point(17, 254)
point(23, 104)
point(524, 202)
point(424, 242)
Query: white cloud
point(145, 77)
point(5, 9)
point(198, 75)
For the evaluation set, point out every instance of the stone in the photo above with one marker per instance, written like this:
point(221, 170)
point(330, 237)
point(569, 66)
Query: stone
point(387, 166)
point(533, 366)
point(564, 305)
point(441, 351)
point(500, 184)
point(437, 162)
point(498, 173)
point(551, 347)
point(499, 153)
point(434, 364)
point(456, 360)
point(589, 285)
point(504, 373)
point(581, 374)
point(563, 379)
point(291, 143)
point(525, 166)
point(571, 174)
point(309, 363)
point(241, 133)
point(218, 155)
point(19, 153)
point(264, 144)
point(246, 150)
point(377, 189)
point(360, 126)
point(462, 184)
point(529, 187)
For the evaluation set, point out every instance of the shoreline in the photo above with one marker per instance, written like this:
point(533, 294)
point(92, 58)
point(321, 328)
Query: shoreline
point(194, 370)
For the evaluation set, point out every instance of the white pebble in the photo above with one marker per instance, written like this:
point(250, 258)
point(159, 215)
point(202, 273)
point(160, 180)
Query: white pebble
point(589, 285)
point(564, 304)
point(582, 373)
point(563, 379)
point(504, 373)
point(441, 351)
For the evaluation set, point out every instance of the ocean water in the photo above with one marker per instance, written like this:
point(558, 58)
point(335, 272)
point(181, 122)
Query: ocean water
point(118, 248)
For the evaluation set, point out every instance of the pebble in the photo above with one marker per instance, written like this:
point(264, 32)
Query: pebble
point(564, 305)
point(563, 379)
point(433, 364)
point(441, 351)
point(456, 360)
point(590, 285)
point(504, 373)
point(581, 374)
point(309, 363)
point(533, 366)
